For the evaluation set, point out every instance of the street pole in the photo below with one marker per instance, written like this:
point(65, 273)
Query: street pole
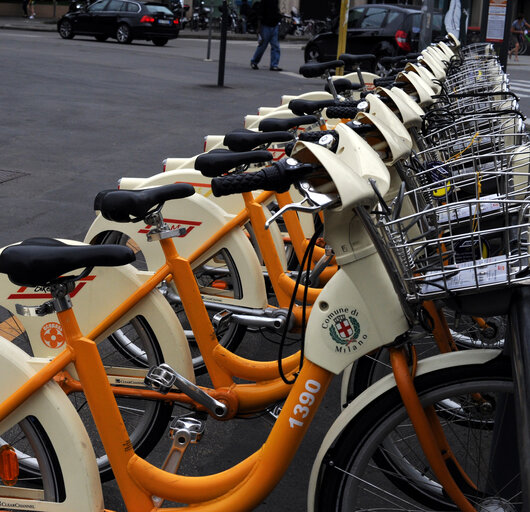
point(426, 24)
point(505, 45)
point(343, 31)
point(464, 21)
point(209, 47)
point(222, 48)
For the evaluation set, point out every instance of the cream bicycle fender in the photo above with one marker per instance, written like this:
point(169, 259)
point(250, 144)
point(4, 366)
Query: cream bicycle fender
point(94, 297)
point(312, 95)
point(368, 79)
point(431, 364)
point(65, 430)
point(201, 219)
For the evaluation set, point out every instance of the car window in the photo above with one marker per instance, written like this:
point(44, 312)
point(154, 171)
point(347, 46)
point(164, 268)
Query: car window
point(98, 6)
point(157, 9)
point(415, 23)
point(354, 17)
point(113, 5)
point(437, 22)
point(130, 7)
point(374, 18)
point(392, 16)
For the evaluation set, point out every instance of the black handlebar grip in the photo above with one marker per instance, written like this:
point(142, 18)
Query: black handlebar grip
point(331, 141)
point(278, 177)
point(341, 112)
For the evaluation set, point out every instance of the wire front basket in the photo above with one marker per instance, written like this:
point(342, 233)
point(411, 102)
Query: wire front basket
point(461, 241)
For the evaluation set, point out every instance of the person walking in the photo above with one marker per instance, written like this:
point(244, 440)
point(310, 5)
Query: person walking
point(517, 29)
point(269, 17)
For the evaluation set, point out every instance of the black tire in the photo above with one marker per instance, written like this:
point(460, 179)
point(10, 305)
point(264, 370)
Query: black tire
point(66, 31)
point(123, 34)
point(101, 38)
point(145, 420)
point(370, 459)
point(36, 455)
point(160, 41)
point(312, 53)
point(230, 335)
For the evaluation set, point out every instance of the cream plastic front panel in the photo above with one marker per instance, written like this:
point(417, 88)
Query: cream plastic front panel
point(395, 134)
point(344, 322)
point(426, 75)
point(421, 88)
point(411, 113)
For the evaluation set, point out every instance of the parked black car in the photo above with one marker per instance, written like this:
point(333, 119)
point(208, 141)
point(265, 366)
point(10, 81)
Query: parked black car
point(384, 30)
point(123, 20)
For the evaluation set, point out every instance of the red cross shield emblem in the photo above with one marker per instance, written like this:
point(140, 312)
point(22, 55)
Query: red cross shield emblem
point(344, 329)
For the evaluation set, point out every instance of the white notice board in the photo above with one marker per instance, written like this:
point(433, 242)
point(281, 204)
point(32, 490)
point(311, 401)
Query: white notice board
point(496, 21)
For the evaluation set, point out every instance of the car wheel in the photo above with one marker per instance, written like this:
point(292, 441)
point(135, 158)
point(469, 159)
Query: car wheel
point(159, 41)
point(123, 34)
point(101, 38)
point(312, 53)
point(65, 29)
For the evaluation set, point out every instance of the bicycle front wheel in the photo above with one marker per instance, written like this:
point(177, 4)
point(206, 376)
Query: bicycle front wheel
point(377, 463)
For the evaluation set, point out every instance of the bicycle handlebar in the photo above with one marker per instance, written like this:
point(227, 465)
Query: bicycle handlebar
point(278, 177)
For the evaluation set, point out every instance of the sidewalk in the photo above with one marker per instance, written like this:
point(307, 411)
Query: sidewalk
point(50, 25)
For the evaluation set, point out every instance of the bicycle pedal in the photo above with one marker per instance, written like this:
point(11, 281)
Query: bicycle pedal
point(160, 378)
point(187, 429)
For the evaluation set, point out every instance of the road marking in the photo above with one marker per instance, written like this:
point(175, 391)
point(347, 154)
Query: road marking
point(18, 34)
point(520, 87)
point(290, 73)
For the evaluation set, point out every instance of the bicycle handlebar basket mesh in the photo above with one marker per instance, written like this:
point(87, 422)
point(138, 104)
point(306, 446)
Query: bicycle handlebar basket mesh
point(448, 237)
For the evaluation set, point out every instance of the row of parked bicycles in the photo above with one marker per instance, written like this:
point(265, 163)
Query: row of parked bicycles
point(382, 223)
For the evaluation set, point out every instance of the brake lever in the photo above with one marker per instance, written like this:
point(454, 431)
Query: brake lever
point(316, 202)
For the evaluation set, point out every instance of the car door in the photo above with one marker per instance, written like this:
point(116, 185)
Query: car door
point(109, 17)
point(368, 33)
point(88, 21)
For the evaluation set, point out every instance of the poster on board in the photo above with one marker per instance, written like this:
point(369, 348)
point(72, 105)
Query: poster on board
point(496, 20)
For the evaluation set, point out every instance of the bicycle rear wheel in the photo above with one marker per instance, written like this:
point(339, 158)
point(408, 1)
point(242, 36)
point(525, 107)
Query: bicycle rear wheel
point(377, 464)
point(146, 420)
point(219, 275)
point(33, 448)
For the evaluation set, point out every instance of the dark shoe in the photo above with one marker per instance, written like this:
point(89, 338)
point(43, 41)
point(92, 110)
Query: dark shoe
point(275, 68)
point(253, 65)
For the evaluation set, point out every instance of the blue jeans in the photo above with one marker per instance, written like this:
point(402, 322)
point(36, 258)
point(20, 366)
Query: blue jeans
point(268, 35)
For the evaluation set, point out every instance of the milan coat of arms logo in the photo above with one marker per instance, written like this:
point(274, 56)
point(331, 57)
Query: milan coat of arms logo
point(345, 329)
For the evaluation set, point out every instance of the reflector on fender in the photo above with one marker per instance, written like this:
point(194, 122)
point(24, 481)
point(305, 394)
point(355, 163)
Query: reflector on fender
point(9, 469)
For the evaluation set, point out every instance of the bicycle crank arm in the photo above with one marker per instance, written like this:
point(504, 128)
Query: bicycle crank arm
point(162, 378)
point(272, 318)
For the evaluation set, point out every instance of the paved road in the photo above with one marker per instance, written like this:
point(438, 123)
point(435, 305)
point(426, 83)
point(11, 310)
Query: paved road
point(79, 115)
